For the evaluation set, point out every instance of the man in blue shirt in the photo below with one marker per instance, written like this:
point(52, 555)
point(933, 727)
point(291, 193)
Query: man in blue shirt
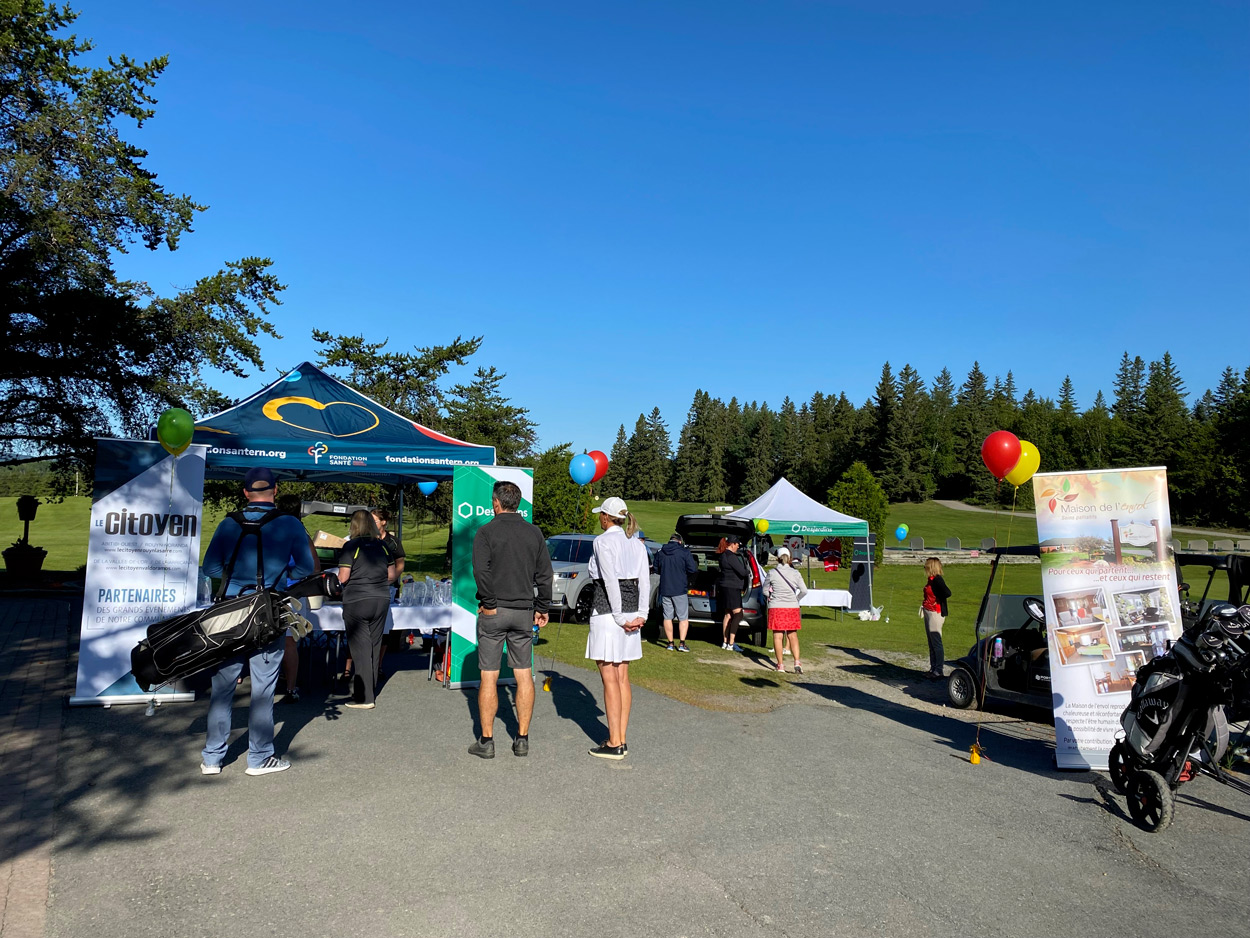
point(287, 552)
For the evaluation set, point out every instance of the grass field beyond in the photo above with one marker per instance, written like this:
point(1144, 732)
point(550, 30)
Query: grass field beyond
point(709, 677)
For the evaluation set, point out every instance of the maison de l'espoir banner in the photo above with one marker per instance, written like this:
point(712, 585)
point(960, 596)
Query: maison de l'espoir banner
point(143, 554)
point(1111, 597)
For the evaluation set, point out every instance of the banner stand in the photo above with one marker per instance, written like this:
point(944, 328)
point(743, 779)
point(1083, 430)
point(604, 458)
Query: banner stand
point(471, 491)
point(154, 699)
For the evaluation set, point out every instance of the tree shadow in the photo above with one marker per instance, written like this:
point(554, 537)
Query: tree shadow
point(759, 681)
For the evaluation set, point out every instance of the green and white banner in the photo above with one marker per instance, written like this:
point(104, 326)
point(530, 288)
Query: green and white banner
point(471, 508)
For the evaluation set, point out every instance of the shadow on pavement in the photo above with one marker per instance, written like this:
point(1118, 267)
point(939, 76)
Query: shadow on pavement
point(574, 702)
point(116, 760)
point(1027, 755)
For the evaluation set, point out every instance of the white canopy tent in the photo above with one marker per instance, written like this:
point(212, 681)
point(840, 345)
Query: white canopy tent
point(789, 511)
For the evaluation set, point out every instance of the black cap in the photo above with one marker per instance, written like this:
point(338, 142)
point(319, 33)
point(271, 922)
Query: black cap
point(259, 479)
point(733, 539)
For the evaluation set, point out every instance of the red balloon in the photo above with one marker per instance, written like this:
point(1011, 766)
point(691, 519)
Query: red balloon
point(1000, 452)
point(601, 464)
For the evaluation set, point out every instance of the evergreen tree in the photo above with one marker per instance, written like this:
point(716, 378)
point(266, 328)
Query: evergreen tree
point(939, 432)
point(972, 424)
point(789, 440)
point(1128, 429)
point(758, 474)
point(885, 400)
point(556, 496)
point(479, 412)
point(1094, 447)
point(860, 495)
point(906, 476)
point(616, 479)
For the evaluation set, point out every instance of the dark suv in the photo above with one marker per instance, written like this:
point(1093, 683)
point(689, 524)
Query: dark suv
point(702, 534)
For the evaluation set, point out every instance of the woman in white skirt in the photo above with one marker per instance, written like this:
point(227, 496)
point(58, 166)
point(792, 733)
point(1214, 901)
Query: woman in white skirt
point(621, 572)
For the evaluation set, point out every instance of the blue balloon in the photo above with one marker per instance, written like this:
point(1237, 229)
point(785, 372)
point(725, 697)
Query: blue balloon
point(427, 488)
point(581, 468)
point(901, 533)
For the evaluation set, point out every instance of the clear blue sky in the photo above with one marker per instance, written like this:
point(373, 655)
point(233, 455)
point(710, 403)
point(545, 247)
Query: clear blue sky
point(635, 200)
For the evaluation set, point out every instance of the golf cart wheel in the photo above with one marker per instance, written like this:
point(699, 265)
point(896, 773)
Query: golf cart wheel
point(585, 604)
point(961, 689)
point(1150, 801)
point(1120, 765)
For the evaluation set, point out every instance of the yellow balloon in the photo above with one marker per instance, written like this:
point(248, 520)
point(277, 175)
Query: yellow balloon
point(1025, 466)
point(761, 526)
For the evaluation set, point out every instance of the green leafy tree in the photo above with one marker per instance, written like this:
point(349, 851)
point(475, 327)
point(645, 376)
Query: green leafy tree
point(860, 495)
point(559, 505)
point(87, 353)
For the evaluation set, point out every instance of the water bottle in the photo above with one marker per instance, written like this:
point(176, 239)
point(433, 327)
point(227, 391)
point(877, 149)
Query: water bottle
point(997, 654)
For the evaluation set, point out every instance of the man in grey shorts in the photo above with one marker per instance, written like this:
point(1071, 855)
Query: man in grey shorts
point(513, 573)
point(674, 563)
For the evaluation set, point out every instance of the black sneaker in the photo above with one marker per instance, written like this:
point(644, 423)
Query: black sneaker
point(521, 746)
point(609, 752)
point(624, 746)
point(483, 748)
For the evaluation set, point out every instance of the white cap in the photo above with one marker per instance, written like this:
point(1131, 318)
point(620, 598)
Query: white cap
point(783, 550)
point(612, 507)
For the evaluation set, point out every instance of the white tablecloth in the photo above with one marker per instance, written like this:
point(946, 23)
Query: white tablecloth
point(840, 599)
point(329, 618)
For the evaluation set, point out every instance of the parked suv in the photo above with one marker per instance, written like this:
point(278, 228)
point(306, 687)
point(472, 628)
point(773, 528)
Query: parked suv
point(702, 534)
point(570, 564)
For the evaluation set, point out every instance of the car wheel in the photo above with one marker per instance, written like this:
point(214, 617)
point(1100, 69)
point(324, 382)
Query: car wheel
point(1150, 801)
point(585, 603)
point(961, 689)
point(1120, 765)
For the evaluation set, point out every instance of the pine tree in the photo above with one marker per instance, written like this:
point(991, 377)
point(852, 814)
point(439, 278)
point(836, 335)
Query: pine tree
point(906, 476)
point(939, 431)
point(617, 478)
point(758, 474)
point(478, 411)
point(885, 400)
point(789, 439)
point(972, 424)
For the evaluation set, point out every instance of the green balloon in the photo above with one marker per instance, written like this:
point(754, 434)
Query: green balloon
point(174, 430)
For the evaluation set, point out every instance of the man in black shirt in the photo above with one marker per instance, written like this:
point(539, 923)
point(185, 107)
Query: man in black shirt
point(513, 573)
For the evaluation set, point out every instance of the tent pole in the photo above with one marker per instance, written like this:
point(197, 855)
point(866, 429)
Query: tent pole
point(400, 530)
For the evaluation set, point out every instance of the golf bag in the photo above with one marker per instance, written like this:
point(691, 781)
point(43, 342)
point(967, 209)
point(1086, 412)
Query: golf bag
point(186, 644)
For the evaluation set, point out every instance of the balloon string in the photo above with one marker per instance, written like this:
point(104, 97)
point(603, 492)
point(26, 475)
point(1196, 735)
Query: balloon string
point(1002, 573)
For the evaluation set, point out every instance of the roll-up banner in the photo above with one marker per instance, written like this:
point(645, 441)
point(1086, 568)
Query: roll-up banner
point(1112, 604)
point(143, 554)
point(471, 508)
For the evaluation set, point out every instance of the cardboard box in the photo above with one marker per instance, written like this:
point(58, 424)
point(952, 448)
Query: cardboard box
point(325, 539)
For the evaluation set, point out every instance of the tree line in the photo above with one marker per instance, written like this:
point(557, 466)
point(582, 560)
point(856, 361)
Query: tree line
point(923, 440)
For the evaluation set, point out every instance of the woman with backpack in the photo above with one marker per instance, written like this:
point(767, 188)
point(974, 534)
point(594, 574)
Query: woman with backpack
point(784, 589)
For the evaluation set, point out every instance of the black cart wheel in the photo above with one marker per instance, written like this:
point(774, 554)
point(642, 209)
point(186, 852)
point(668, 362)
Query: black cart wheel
point(1150, 801)
point(585, 603)
point(961, 689)
point(1120, 764)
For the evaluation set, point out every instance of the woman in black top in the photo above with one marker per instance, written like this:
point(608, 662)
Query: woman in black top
point(730, 584)
point(366, 572)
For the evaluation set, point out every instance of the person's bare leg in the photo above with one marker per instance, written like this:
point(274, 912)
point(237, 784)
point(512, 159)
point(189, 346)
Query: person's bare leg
point(524, 699)
point(777, 639)
point(488, 702)
point(725, 633)
point(793, 639)
point(732, 625)
point(668, 631)
point(611, 702)
point(683, 627)
point(627, 696)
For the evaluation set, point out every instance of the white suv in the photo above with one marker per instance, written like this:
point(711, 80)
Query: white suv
point(570, 564)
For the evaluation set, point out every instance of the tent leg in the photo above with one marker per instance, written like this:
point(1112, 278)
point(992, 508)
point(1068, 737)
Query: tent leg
point(399, 531)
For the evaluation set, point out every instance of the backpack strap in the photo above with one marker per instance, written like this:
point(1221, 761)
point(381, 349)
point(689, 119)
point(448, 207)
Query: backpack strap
point(248, 527)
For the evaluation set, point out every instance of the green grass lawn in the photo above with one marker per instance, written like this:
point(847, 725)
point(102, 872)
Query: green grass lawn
point(714, 677)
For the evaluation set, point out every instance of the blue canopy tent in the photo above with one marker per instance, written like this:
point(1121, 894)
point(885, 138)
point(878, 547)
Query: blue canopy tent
point(310, 427)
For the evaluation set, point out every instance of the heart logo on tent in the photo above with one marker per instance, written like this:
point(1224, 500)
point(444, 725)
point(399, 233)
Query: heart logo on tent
point(272, 410)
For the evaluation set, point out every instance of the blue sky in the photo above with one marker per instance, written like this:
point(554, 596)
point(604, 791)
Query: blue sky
point(634, 200)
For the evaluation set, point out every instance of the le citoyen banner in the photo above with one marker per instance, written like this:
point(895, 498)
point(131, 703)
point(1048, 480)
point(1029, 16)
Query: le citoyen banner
point(1111, 597)
point(143, 553)
point(471, 508)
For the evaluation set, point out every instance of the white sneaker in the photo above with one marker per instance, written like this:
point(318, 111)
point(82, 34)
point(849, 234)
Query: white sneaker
point(206, 769)
point(269, 766)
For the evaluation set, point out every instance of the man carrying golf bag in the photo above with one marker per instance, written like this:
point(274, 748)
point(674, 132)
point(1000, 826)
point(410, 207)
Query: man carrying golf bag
point(280, 548)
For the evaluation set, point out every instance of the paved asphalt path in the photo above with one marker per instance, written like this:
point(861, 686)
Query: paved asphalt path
point(856, 815)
